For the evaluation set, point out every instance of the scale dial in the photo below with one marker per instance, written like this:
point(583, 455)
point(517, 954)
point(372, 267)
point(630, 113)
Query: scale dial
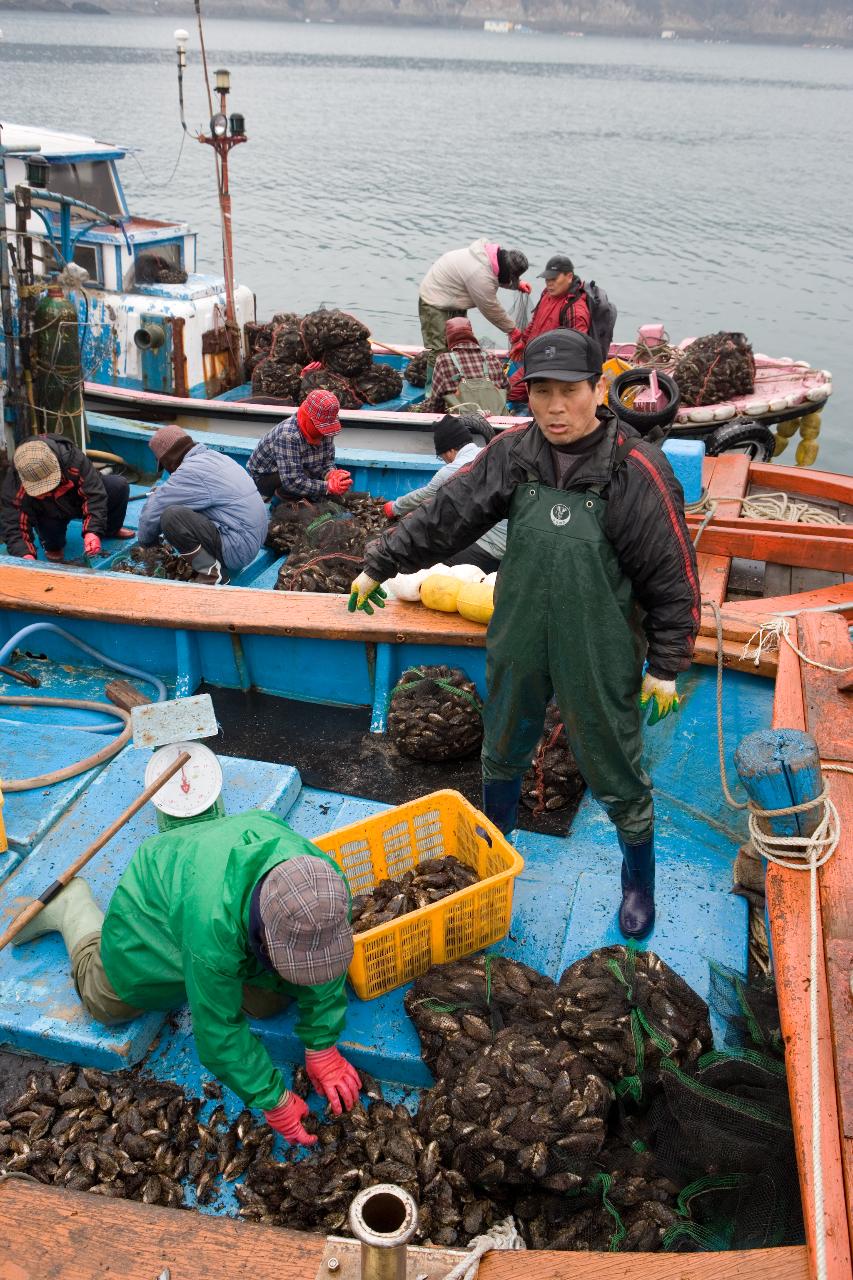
point(194, 788)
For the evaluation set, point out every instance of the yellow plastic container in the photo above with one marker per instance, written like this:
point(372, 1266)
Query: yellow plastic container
point(389, 845)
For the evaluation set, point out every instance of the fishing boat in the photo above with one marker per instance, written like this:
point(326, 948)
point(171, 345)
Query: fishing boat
point(563, 904)
point(161, 341)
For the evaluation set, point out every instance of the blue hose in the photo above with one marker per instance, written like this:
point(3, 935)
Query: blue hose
point(126, 670)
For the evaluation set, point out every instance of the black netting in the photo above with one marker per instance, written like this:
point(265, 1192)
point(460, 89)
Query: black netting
point(272, 378)
point(325, 541)
point(435, 713)
point(553, 780)
point(380, 383)
point(287, 345)
point(154, 562)
point(352, 360)
point(415, 372)
point(750, 1009)
point(322, 330)
point(325, 380)
point(717, 367)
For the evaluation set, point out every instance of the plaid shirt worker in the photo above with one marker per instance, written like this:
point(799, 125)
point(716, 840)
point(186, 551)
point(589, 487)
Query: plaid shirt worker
point(301, 466)
point(474, 363)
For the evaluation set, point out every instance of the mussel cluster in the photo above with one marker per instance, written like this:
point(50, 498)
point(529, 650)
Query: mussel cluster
point(435, 713)
point(415, 371)
point(324, 541)
point(553, 780)
point(159, 561)
point(124, 1136)
point(718, 367)
point(429, 882)
point(336, 341)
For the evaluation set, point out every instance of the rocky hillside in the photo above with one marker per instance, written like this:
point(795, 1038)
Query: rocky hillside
point(799, 21)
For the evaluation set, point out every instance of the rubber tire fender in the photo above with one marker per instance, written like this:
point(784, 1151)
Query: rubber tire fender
point(644, 422)
point(732, 437)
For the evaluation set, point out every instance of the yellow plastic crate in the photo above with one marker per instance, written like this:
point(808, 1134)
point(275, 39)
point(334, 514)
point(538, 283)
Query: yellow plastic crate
point(387, 846)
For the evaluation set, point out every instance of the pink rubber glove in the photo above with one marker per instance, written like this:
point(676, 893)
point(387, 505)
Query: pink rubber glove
point(28, 557)
point(333, 1077)
point(389, 511)
point(337, 482)
point(91, 544)
point(286, 1118)
point(523, 286)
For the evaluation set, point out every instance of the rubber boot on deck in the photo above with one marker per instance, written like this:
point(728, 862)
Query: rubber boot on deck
point(73, 913)
point(500, 803)
point(637, 912)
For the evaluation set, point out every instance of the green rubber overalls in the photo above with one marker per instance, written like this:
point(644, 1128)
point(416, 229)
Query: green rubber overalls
point(566, 623)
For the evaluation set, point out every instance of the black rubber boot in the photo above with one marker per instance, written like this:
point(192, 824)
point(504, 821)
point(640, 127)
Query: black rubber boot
point(637, 912)
point(500, 803)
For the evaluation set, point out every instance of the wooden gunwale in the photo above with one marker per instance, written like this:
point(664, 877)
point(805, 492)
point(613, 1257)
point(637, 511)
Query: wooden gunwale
point(52, 1234)
point(823, 636)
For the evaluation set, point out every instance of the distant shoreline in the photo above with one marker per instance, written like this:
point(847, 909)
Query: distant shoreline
point(446, 22)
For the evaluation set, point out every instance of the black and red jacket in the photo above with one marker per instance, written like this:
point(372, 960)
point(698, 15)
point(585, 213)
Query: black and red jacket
point(80, 496)
point(644, 523)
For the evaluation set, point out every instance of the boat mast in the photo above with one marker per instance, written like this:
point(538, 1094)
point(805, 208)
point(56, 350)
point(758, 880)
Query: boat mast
point(12, 405)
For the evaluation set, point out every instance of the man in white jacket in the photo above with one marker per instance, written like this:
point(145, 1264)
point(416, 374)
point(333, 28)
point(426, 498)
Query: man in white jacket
point(465, 278)
point(455, 445)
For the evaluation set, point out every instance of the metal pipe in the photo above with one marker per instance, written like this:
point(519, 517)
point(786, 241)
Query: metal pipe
point(383, 1218)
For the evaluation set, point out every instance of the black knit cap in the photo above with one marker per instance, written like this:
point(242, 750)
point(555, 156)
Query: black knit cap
point(512, 265)
point(449, 433)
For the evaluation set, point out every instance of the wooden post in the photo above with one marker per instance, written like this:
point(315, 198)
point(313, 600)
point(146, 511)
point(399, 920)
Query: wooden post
point(778, 768)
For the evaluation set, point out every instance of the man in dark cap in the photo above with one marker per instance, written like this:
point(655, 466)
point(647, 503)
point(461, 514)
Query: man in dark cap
point(465, 278)
point(455, 445)
point(235, 916)
point(209, 509)
point(599, 573)
point(465, 374)
point(563, 305)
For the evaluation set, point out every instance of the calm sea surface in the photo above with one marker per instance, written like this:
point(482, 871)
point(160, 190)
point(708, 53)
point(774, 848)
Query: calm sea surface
point(707, 186)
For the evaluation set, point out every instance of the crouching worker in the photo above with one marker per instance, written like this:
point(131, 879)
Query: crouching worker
point(599, 573)
point(296, 459)
point(49, 484)
point(235, 916)
point(456, 447)
point(208, 509)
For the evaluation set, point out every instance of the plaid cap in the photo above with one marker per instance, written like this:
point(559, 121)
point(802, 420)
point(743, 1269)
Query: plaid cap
point(37, 467)
point(322, 409)
point(305, 913)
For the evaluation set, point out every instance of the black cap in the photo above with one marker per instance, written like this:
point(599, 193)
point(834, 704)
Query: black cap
point(556, 266)
point(449, 433)
point(562, 354)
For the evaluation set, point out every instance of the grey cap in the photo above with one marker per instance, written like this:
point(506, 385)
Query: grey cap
point(305, 913)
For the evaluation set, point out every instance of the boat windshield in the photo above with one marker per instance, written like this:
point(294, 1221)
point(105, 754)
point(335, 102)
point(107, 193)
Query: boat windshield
point(88, 180)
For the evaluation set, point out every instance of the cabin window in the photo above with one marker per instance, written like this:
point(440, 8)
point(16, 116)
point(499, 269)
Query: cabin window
point(88, 257)
point(159, 264)
point(88, 180)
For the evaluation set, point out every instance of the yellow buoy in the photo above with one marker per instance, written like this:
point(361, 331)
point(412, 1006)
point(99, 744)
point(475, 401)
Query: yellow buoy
point(809, 426)
point(476, 601)
point(789, 428)
point(807, 452)
point(440, 591)
point(781, 444)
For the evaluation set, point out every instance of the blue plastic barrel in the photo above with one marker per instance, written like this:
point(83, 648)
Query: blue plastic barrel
point(685, 458)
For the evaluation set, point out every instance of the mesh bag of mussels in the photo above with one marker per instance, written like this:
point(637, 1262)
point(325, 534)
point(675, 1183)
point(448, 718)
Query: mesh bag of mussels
point(281, 381)
point(154, 562)
point(379, 383)
point(323, 329)
point(415, 372)
point(351, 360)
point(287, 345)
point(325, 541)
point(325, 380)
point(626, 1010)
point(718, 367)
point(435, 713)
point(553, 780)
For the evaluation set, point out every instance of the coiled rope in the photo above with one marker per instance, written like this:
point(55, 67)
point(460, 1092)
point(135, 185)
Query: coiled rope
point(763, 506)
point(795, 853)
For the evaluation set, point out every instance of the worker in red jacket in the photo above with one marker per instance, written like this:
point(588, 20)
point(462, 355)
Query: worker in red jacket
point(563, 305)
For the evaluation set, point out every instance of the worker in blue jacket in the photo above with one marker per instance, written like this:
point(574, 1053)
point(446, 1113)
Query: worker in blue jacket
point(209, 509)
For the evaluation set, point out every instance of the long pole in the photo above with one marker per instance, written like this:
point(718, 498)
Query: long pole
point(227, 241)
point(30, 912)
point(11, 409)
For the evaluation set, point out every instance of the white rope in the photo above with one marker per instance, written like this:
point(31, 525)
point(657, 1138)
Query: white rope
point(767, 506)
point(503, 1235)
point(767, 638)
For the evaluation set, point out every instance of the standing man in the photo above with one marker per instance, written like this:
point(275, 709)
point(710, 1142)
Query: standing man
point(297, 458)
point(456, 447)
point(208, 509)
point(235, 916)
point(49, 484)
point(563, 305)
point(599, 573)
point(465, 278)
point(465, 374)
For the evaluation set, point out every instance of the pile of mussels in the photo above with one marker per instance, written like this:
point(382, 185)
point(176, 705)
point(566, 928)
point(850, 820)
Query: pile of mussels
point(429, 882)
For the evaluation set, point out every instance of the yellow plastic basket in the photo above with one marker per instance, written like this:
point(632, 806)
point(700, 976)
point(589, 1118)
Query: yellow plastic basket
point(389, 845)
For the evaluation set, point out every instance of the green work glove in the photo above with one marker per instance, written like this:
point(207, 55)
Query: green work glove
point(662, 694)
point(364, 590)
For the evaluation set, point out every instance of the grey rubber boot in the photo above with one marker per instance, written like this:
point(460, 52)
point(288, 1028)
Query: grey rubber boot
point(73, 913)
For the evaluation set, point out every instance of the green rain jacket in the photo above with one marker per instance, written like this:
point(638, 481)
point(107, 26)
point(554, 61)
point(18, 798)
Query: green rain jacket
point(177, 930)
